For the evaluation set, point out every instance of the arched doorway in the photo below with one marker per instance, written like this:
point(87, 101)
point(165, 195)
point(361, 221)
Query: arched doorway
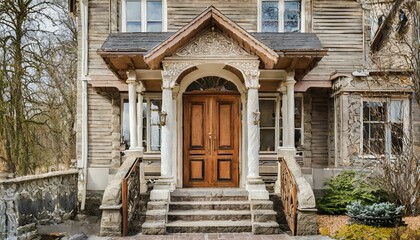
point(211, 130)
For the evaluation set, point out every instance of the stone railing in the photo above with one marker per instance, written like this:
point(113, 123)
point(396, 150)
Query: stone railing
point(121, 199)
point(302, 216)
point(26, 201)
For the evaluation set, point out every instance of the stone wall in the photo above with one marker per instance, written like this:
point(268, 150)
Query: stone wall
point(40, 199)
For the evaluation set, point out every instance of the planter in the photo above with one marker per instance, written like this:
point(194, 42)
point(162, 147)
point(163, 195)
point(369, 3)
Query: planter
point(378, 221)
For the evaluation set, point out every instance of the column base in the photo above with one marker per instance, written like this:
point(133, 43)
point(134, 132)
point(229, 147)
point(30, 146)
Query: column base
point(256, 189)
point(162, 189)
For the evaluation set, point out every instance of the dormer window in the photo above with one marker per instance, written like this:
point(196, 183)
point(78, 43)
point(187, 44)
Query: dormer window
point(143, 16)
point(280, 16)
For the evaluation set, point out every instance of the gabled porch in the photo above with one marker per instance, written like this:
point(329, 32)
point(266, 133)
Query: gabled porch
point(210, 132)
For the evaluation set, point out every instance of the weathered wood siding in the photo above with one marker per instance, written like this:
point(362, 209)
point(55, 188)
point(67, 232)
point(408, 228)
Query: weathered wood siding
point(319, 144)
point(243, 12)
point(338, 24)
point(100, 130)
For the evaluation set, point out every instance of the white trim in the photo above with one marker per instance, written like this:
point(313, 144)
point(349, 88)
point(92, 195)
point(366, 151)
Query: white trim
point(387, 137)
point(143, 3)
point(281, 15)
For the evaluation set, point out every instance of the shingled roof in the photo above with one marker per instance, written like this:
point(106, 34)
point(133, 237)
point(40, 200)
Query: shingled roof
point(145, 41)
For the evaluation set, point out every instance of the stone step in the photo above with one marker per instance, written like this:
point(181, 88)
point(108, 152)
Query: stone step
point(270, 227)
point(153, 228)
point(209, 192)
point(156, 215)
point(207, 198)
point(207, 215)
point(210, 205)
point(209, 226)
point(154, 205)
point(264, 215)
point(260, 205)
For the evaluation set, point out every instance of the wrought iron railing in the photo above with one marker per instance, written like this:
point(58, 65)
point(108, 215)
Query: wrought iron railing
point(288, 190)
point(130, 197)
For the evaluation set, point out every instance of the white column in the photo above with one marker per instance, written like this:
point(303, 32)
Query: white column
point(290, 84)
point(253, 133)
point(166, 145)
point(140, 90)
point(132, 102)
point(284, 115)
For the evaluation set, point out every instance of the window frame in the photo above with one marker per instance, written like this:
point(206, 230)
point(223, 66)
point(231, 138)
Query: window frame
point(281, 15)
point(278, 121)
point(143, 3)
point(387, 124)
point(147, 136)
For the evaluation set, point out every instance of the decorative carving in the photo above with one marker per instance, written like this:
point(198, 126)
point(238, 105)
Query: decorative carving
point(171, 71)
point(212, 44)
point(250, 71)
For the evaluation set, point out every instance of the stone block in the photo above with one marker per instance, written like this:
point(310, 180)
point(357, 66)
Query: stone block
point(306, 223)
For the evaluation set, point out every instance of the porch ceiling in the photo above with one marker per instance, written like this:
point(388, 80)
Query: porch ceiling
point(295, 51)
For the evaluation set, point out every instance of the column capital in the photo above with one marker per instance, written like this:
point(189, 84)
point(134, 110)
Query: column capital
point(171, 71)
point(250, 71)
point(140, 87)
point(131, 76)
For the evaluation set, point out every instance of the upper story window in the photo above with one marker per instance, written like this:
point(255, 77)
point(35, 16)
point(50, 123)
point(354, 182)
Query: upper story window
point(143, 16)
point(280, 16)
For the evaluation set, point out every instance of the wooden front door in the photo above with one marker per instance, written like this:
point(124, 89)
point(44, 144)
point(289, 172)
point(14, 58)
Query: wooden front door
point(211, 140)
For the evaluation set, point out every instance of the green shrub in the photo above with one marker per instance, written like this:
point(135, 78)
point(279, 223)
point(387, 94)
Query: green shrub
point(346, 188)
point(363, 232)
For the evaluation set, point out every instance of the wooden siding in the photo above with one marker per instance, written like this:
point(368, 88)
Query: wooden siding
point(319, 145)
point(338, 24)
point(100, 26)
point(243, 12)
point(100, 124)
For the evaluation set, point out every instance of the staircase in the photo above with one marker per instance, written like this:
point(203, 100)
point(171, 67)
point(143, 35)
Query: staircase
point(211, 211)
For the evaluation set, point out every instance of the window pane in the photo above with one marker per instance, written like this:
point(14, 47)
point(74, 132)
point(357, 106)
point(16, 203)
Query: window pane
point(133, 26)
point(155, 132)
point(270, 26)
point(133, 10)
point(144, 120)
point(267, 140)
point(270, 16)
point(396, 111)
point(268, 113)
point(126, 125)
point(298, 112)
point(154, 26)
point(397, 135)
point(154, 11)
point(292, 16)
point(377, 131)
point(298, 135)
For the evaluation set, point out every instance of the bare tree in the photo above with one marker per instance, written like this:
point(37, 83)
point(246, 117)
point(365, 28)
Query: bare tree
point(388, 133)
point(35, 104)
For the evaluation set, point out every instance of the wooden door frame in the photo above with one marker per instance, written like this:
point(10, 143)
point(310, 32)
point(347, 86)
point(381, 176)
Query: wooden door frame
point(212, 96)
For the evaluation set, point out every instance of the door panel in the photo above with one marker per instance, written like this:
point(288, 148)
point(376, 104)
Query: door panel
point(211, 140)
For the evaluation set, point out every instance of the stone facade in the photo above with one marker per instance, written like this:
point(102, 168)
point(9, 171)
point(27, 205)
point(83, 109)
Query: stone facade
point(42, 199)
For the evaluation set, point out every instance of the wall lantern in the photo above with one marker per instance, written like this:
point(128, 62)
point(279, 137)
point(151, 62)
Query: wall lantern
point(256, 117)
point(162, 118)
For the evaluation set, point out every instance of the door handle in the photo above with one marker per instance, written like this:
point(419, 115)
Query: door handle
point(210, 144)
point(214, 143)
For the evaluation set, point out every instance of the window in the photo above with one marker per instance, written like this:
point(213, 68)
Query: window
point(271, 127)
point(384, 122)
point(143, 16)
point(280, 16)
point(151, 128)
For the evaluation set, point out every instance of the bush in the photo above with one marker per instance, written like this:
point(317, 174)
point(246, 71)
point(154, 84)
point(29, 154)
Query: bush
point(363, 232)
point(346, 188)
point(377, 214)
